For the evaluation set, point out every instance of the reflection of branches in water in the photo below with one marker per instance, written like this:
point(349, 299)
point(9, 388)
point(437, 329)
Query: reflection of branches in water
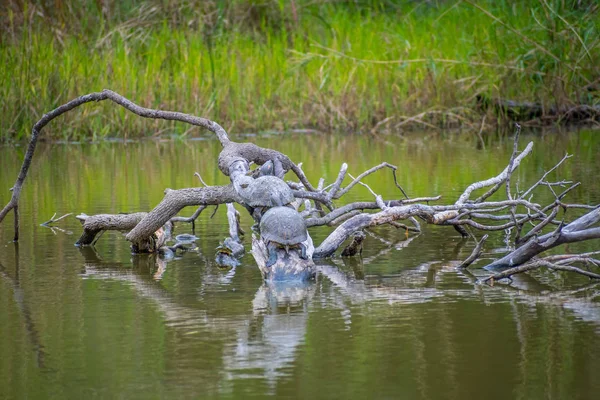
point(266, 340)
point(19, 296)
point(419, 285)
point(397, 245)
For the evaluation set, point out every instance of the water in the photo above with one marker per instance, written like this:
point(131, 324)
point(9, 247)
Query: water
point(400, 323)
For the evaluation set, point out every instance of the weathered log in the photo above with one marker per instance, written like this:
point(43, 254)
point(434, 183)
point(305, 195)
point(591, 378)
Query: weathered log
point(290, 267)
point(576, 231)
point(362, 221)
point(174, 201)
point(92, 225)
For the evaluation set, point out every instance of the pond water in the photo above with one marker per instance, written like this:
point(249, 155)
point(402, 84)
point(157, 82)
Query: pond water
point(401, 322)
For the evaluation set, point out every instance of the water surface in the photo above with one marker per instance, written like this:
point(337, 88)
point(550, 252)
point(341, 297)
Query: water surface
point(401, 322)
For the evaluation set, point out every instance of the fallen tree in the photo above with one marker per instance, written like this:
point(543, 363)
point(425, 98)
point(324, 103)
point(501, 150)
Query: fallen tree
point(150, 231)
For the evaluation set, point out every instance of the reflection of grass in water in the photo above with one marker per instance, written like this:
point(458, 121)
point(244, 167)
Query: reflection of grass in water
point(116, 177)
point(281, 68)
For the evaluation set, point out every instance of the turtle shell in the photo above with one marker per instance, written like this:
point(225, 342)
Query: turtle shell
point(283, 225)
point(268, 191)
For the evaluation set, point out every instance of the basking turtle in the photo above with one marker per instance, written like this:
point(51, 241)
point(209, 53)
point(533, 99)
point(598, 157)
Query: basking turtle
point(283, 228)
point(264, 192)
point(229, 253)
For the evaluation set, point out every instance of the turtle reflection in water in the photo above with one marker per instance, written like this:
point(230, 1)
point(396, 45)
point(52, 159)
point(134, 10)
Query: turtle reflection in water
point(180, 243)
point(283, 228)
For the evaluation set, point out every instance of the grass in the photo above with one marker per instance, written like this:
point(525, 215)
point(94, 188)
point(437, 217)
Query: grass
point(268, 65)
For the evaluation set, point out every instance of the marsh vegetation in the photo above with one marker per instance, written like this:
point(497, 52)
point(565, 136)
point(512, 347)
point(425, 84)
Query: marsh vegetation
point(261, 65)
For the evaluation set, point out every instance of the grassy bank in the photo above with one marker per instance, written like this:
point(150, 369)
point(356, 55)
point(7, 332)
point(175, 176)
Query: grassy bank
point(269, 65)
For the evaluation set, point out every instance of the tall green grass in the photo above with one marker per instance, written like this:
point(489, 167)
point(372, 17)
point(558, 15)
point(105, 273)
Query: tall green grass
point(270, 65)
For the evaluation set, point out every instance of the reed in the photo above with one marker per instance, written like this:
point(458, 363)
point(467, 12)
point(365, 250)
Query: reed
point(253, 66)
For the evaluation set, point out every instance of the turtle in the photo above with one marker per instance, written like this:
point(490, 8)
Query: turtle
point(229, 253)
point(263, 192)
point(283, 227)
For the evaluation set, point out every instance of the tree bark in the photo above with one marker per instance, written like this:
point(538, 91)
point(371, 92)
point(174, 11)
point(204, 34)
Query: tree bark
point(174, 201)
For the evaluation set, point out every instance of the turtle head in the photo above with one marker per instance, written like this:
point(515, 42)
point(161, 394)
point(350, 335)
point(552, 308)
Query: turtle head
point(242, 183)
point(266, 168)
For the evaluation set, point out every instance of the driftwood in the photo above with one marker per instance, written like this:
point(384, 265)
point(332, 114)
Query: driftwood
point(149, 231)
point(527, 111)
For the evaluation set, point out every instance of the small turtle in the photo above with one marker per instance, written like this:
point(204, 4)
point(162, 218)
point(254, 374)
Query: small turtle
point(264, 192)
point(283, 228)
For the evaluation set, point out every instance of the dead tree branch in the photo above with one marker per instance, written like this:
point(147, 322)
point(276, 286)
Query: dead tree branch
point(576, 231)
point(530, 266)
point(362, 221)
point(475, 254)
point(52, 220)
point(231, 153)
point(174, 201)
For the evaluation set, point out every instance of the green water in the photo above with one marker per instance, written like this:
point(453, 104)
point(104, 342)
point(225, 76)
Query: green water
point(400, 323)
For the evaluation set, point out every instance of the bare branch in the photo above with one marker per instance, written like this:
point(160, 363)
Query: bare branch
point(200, 178)
point(497, 180)
point(363, 175)
point(338, 182)
point(98, 96)
point(475, 254)
point(576, 231)
point(192, 219)
point(233, 217)
point(359, 222)
point(174, 201)
point(52, 220)
point(543, 178)
point(92, 225)
point(537, 264)
point(510, 169)
point(539, 227)
point(363, 205)
point(509, 172)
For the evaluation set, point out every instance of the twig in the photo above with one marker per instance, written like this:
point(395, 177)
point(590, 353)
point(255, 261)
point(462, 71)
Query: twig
point(537, 264)
point(364, 174)
point(497, 180)
point(538, 227)
point(475, 254)
point(524, 195)
point(510, 171)
point(338, 182)
point(200, 178)
point(52, 220)
point(511, 162)
point(192, 219)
